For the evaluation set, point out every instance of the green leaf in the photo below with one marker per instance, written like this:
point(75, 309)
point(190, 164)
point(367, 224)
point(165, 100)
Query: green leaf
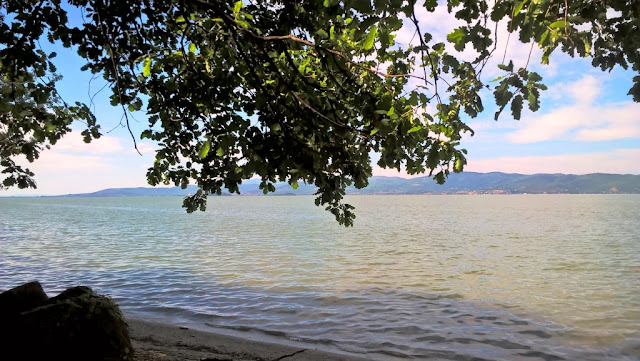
point(146, 67)
point(502, 93)
point(558, 24)
point(534, 77)
point(304, 64)
point(363, 26)
point(204, 149)
point(294, 185)
point(431, 5)
point(544, 37)
point(362, 6)
point(414, 129)
point(458, 165)
point(192, 48)
point(545, 58)
point(457, 36)
point(439, 47)
point(516, 107)
point(635, 89)
point(322, 34)
point(516, 11)
point(508, 67)
point(587, 45)
point(374, 131)
point(368, 43)
point(237, 7)
point(534, 101)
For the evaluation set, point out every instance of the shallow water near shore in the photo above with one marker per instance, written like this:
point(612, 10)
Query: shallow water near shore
point(519, 277)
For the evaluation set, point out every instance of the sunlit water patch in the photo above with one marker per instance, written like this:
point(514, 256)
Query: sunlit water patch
point(442, 277)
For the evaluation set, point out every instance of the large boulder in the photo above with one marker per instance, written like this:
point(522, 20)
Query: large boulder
point(76, 325)
point(22, 298)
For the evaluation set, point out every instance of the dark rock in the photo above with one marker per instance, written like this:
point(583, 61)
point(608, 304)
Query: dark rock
point(75, 325)
point(21, 298)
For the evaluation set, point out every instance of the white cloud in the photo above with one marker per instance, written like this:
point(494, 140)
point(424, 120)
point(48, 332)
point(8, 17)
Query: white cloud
point(106, 144)
point(73, 166)
point(616, 161)
point(582, 91)
point(582, 123)
point(73, 142)
point(583, 119)
point(71, 153)
point(549, 126)
point(62, 172)
point(146, 148)
point(51, 161)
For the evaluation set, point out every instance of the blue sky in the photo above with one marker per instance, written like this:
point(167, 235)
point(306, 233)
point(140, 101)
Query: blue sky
point(586, 124)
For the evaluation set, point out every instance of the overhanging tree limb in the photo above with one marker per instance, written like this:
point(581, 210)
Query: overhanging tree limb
point(236, 90)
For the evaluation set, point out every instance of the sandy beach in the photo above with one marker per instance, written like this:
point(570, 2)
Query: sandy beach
point(161, 342)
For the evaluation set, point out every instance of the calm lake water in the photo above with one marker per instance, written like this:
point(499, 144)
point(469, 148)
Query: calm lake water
point(520, 277)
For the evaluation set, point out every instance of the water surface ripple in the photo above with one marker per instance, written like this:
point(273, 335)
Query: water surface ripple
point(527, 277)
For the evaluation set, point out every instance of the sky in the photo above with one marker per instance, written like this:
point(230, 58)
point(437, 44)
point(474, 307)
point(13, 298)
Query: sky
point(586, 124)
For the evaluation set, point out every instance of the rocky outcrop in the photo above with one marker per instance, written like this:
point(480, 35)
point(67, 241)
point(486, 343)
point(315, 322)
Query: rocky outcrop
point(77, 325)
point(22, 298)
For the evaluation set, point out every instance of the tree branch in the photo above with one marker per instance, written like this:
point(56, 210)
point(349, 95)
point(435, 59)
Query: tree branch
point(231, 22)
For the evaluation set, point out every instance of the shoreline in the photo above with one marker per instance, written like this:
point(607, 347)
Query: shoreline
point(155, 341)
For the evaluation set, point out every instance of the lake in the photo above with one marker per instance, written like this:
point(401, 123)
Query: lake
point(485, 277)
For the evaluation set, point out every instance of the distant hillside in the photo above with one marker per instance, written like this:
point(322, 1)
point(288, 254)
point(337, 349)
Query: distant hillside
point(466, 182)
point(510, 183)
point(137, 192)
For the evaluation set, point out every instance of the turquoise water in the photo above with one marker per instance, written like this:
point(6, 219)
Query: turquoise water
point(519, 277)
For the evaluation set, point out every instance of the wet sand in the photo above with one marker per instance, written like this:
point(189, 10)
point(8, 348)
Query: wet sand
point(161, 342)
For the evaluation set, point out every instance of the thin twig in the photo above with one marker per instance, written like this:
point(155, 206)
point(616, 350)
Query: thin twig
point(509, 29)
point(566, 13)
point(115, 72)
point(422, 52)
point(289, 355)
point(529, 57)
point(495, 46)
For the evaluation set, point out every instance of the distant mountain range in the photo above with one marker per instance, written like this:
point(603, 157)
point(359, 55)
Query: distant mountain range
point(462, 183)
